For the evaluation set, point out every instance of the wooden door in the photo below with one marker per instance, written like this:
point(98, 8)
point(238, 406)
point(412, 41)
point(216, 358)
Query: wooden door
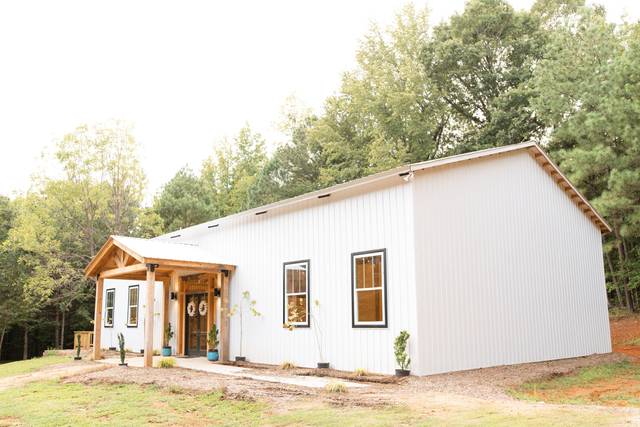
point(196, 326)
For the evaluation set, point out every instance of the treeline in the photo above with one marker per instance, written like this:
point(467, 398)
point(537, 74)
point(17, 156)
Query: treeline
point(558, 74)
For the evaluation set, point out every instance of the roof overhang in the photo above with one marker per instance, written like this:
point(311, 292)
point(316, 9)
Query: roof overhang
point(122, 258)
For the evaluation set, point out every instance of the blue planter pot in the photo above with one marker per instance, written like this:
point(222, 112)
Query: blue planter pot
point(166, 351)
point(212, 355)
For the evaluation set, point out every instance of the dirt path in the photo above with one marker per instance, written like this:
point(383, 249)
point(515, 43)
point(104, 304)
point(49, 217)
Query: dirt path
point(48, 373)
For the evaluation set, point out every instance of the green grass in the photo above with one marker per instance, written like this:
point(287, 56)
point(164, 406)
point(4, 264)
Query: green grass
point(635, 341)
point(55, 403)
point(608, 384)
point(31, 365)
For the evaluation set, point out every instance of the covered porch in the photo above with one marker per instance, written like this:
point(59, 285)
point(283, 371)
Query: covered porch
point(183, 269)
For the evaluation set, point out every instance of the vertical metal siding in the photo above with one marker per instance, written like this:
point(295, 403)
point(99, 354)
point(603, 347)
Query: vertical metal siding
point(508, 269)
point(326, 232)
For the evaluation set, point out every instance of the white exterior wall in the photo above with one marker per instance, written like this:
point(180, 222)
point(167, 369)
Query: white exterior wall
point(326, 232)
point(508, 269)
point(133, 336)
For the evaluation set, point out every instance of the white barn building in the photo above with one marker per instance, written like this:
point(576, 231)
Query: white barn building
point(487, 258)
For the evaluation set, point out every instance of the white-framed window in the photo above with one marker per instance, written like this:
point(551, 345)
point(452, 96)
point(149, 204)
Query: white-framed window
point(369, 289)
point(296, 293)
point(109, 306)
point(132, 312)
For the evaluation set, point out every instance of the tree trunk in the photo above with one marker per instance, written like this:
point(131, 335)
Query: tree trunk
point(4, 329)
point(615, 280)
point(62, 330)
point(622, 257)
point(57, 328)
point(25, 348)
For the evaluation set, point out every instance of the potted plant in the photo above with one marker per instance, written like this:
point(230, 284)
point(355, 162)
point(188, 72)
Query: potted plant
point(212, 342)
point(122, 350)
point(168, 334)
point(400, 351)
point(77, 357)
point(246, 296)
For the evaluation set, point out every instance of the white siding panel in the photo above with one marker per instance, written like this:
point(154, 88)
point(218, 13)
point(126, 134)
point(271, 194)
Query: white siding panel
point(133, 336)
point(327, 232)
point(508, 269)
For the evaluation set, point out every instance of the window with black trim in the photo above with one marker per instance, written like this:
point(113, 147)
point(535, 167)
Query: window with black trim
point(132, 313)
point(110, 300)
point(296, 293)
point(369, 289)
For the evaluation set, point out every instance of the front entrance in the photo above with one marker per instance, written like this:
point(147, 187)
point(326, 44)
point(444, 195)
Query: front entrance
point(196, 326)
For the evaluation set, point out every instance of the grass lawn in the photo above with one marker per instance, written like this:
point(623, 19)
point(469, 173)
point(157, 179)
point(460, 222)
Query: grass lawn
point(55, 403)
point(26, 366)
point(612, 384)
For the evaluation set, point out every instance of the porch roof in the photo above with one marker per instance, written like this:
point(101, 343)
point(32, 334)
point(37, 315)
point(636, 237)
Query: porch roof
point(127, 258)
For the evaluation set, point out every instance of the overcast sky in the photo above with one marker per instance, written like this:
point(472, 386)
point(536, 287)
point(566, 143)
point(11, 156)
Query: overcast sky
point(184, 73)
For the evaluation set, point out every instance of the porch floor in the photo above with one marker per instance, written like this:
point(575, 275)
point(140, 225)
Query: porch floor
point(202, 364)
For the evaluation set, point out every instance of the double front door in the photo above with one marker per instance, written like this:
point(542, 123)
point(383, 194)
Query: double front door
point(196, 326)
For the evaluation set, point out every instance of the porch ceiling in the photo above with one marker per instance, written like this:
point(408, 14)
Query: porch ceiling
point(127, 258)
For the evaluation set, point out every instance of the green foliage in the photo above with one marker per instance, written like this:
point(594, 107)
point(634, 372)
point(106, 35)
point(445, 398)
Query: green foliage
point(400, 350)
point(212, 337)
point(168, 334)
point(78, 345)
point(31, 365)
point(167, 362)
point(121, 347)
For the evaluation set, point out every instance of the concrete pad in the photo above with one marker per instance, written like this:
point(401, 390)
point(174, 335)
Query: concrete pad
point(203, 365)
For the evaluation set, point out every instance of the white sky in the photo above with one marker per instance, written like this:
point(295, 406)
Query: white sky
point(184, 73)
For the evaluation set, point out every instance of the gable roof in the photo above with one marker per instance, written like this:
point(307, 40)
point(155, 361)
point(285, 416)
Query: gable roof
point(403, 171)
point(148, 251)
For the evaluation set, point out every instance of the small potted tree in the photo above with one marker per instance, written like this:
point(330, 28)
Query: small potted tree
point(212, 342)
point(123, 352)
point(246, 297)
point(168, 334)
point(294, 312)
point(400, 351)
point(77, 357)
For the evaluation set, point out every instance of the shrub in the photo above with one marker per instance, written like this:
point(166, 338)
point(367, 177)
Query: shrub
point(336, 387)
point(286, 366)
point(167, 362)
point(360, 372)
point(400, 350)
point(156, 352)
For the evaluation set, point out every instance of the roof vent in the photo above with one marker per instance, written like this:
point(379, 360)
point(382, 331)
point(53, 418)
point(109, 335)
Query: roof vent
point(322, 196)
point(212, 225)
point(261, 213)
point(174, 236)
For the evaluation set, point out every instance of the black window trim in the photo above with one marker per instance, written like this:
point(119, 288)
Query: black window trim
point(113, 309)
point(284, 292)
point(131, 325)
point(384, 290)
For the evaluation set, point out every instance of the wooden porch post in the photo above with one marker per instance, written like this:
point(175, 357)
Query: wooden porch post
point(210, 312)
point(225, 322)
point(97, 319)
point(177, 287)
point(165, 307)
point(148, 318)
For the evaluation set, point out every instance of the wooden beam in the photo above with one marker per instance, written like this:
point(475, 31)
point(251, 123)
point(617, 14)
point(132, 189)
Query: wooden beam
point(210, 312)
point(225, 321)
point(116, 272)
point(148, 318)
point(97, 320)
point(176, 284)
point(166, 283)
point(188, 265)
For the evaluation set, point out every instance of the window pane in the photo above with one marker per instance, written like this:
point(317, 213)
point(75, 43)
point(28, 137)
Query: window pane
point(297, 308)
point(368, 272)
point(303, 280)
point(110, 295)
point(289, 280)
point(133, 296)
point(359, 273)
point(133, 315)
point(370, 305)
point(377, 271)
point(109, 316)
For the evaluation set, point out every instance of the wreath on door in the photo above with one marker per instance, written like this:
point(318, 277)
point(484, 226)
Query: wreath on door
point(202, 308)
point(191, 309)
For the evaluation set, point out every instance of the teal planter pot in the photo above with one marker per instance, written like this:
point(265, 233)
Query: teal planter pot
point(212, 355)
point(166, 351)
